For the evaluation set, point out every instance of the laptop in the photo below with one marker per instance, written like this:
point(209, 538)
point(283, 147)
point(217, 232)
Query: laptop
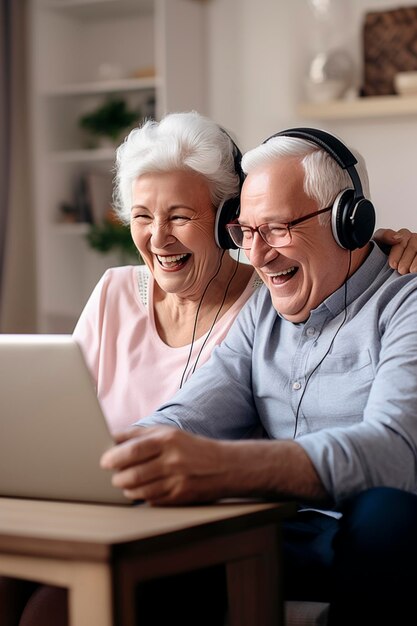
point(53, 431)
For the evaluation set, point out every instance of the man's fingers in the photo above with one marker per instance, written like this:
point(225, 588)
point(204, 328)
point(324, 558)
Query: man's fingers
point(133, 448)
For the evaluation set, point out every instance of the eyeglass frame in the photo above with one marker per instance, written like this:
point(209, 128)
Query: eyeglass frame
point(287, 225)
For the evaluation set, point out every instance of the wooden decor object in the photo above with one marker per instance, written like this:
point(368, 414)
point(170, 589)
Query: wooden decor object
point(389, 47)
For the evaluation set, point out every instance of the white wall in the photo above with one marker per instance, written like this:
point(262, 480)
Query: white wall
point(258, 54)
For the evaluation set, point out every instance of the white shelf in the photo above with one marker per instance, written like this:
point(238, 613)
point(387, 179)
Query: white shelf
point(102, 87)
point(91, 9)
point(371, 107)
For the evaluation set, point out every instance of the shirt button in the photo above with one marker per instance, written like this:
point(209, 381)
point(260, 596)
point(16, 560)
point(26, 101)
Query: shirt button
point(311, 331)
point(296, 386)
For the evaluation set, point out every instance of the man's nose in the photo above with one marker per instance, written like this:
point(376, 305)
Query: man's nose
point(260, 251)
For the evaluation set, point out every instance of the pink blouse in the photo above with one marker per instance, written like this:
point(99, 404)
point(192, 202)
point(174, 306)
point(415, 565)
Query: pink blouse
point(133, 369)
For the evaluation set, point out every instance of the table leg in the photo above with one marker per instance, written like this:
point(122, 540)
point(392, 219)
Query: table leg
point(255, 589)
point(90, 596)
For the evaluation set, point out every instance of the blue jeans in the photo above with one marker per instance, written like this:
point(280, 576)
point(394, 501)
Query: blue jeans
point(359, 563)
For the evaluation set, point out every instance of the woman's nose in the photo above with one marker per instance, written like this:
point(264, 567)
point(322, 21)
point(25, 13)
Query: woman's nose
point(161, 234)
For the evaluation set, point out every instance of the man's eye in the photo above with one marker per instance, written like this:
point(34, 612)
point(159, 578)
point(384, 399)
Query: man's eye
point(277, 229)
point(246, 233)
point(180, 219)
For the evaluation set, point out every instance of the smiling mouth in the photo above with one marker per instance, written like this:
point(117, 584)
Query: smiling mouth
point(173, 261)
point(280, 278)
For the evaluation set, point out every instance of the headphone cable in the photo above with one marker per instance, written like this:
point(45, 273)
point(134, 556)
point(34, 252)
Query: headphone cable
point(196, 318)
point(217, 314)
point(315, 368)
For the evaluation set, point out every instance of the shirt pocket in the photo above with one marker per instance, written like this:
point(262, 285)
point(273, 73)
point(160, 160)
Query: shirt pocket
point(345, 363)
point(344, 383)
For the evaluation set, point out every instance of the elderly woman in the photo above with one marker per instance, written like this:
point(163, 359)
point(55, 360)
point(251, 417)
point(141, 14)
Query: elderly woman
point(146, 328)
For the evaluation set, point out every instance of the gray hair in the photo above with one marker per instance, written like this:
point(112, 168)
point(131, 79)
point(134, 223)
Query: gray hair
point(180, 141)
point(324, 179)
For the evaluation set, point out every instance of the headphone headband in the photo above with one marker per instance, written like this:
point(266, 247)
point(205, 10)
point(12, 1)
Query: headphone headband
point(331, 144)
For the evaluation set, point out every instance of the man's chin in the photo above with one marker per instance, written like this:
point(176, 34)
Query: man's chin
point(293, 314)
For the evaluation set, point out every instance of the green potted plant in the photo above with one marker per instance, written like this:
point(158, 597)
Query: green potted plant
point(110, 119)
point(110, 234)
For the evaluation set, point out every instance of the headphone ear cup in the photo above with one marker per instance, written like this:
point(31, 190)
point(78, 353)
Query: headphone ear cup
point(226, 213)
point(363, 220)
point(353, 220)
point(229, 209)
point(340, 213)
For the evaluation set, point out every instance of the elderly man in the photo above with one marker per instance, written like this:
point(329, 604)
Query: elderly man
point(324, 359)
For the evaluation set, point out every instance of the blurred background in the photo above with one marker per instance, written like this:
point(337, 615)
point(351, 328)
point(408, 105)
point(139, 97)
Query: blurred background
point(77, 75)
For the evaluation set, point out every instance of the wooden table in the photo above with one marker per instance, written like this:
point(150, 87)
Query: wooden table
point(104, 551)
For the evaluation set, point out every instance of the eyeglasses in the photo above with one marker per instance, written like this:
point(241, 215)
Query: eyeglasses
point(274, 234)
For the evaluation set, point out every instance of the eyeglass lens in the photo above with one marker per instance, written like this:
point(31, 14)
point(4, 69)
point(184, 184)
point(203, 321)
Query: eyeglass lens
point(275, 235)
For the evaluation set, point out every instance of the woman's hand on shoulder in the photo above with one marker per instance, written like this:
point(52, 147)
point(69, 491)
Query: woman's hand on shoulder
point(403, 254)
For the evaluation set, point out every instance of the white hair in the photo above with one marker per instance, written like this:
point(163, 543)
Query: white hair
point(324, 179)
point(180, 141)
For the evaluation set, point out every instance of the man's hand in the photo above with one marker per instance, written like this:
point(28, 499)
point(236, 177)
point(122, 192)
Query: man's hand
point(163, 465)
point(166, 466)
point(403, 253)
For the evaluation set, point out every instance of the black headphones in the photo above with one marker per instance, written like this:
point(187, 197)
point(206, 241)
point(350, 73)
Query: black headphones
point(353, 216)
point(229, 209)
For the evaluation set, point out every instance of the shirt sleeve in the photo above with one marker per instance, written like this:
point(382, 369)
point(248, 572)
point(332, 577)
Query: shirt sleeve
point(217, 401)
